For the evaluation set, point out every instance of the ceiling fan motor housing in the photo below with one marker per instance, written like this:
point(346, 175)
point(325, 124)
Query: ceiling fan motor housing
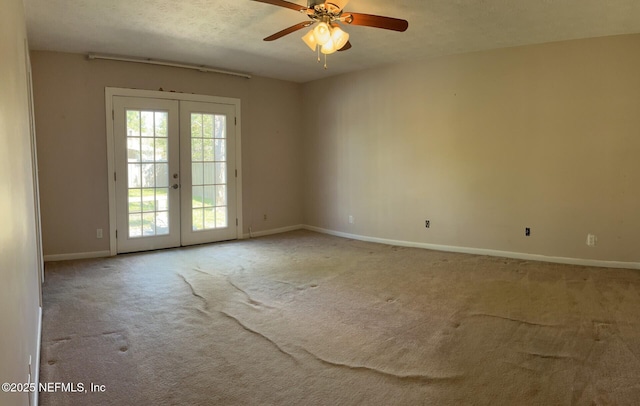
point(332, 8)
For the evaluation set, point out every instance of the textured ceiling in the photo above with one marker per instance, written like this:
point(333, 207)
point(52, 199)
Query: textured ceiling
point(227, 34)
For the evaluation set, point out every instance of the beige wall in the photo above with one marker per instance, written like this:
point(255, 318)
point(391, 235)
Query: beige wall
point(72, 146)
point(484, 145)
point(19, 285)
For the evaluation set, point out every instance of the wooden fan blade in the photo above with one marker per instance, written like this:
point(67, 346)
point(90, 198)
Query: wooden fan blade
point(285, 4)
point(370, 20)
point(289, 30)
point(345, 46)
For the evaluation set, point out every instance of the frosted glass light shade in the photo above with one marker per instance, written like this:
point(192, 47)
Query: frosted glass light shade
point(322, 33)
point(328, 48)
point(339, 37)
point(310, 40)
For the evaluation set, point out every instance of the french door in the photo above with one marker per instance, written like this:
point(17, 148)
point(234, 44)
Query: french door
point(175, 172)
point(207, 161)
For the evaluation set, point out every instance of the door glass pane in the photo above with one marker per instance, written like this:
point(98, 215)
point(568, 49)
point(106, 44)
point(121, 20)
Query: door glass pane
point(147, 149)
point(207, 150)
point(135, 200)
point(147, 124)
point(135, 225)
point(197, 173)
point(207, 125)
point(161, 117)
point(133, 173)
point(148, 200)
point(221, 195)
point(196, 150)
point(221, 173)
point(221, 217)
point(148, 224)
point(197, 196)
point(209, 173)
point(220, 126)
point(133, 123)
point(162, 223)
point(209, 177)
point(209, 218)
point(148, 175)
point(197, 219)
point(162, 175)
point(133, 149)
point(209, 196)
point(162, 199)
point(196, 125)
point(221, 150)
point(147, 182)
point(161, 150)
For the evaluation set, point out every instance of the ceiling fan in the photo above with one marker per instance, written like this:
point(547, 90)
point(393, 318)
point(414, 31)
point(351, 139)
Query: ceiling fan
point(327, 37)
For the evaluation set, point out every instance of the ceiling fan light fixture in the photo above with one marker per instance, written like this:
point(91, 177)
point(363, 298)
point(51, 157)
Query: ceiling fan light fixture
point(327, 37)
point(322, 33)
point(339, 37)
point(310, 40)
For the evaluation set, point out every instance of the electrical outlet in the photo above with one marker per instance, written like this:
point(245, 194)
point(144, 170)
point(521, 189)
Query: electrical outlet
point(351, 220)
point(527, 231)
point(427, 224)
point(264, 217)
point(591, 240)
point(99, 233)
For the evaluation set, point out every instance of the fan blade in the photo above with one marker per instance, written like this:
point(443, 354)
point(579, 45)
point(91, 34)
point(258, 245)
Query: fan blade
point(289, 30)
point(345, 47)
point(283, 3)
point(370, 20)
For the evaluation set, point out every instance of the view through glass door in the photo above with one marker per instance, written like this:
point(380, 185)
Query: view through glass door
point(175, 173)
point(207, 133)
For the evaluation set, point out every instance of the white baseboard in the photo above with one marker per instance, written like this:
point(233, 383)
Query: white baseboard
point(273, 231)
point(401, 243)
point(77, 255)
point(36, 367)
point(481, 251)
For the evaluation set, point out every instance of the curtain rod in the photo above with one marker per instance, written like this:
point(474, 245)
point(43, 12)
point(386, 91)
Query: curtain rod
point(92, 56)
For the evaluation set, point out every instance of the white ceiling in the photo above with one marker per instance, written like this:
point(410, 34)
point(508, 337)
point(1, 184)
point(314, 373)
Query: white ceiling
point(227, 34)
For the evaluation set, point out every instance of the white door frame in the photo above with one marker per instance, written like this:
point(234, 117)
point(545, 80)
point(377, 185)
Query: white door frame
point(111, 165)
point(34, 168)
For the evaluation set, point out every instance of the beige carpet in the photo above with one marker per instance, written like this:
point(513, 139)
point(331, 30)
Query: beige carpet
point(308, 319)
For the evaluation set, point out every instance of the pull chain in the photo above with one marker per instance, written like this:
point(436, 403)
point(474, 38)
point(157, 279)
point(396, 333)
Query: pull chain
point(325, 56)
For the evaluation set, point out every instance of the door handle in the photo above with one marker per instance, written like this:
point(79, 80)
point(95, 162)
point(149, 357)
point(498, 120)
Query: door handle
point(175, 186)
